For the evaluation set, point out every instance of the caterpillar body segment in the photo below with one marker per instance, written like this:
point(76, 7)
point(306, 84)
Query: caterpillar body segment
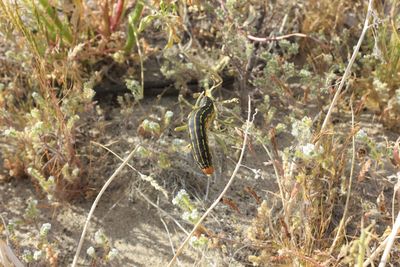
point(199, 121)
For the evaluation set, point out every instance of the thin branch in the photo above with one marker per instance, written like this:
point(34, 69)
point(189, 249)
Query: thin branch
point(389, 244)
point(303, 257)
point(142, 176)
point(235, 171)
point(141, 66)
point(140, 193)
point(278, 177)
point(346, 207)
point(7, 255)
point(6, 230)
point(96, 201)
point(377, 251)
point(348, 68)
point(163, 211)
point(397, 185)
point(275, 38)
point(169, 237)
point(385, 244)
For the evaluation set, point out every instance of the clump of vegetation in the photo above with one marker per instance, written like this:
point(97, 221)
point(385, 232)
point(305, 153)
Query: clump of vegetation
point(38, 247)
point(103, 253)
point(289, 58)
point(40, 120)
point(58, 44)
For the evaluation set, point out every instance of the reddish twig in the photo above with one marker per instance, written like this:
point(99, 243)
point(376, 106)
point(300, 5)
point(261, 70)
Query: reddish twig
point(114, 20)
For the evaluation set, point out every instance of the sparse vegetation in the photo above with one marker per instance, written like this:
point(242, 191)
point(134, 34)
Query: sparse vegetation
point(83, 83)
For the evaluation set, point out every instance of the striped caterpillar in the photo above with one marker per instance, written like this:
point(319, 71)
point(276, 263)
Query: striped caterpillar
point(199, 121)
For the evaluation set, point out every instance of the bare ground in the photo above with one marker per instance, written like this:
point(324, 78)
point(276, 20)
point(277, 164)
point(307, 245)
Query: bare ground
point(142, 234)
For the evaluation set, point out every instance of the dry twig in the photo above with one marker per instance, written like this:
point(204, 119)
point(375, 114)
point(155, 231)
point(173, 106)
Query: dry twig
point(348, 68)
point(377, 251)
point(275, 38)
point(237, 167)
point(390, 240)
point(346, 207)
point(143, 195)
point(96, 201)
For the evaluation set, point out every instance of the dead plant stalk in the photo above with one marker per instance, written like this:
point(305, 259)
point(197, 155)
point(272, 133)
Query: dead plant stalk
point(96, 201)
point(275, 38)
point(346, 207)
point(140, 193)
point(347, 71)
point(389, 244)
point(235, 171)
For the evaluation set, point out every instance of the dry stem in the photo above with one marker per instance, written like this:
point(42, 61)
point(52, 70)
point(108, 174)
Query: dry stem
point(140, 193)
point(389, 244)
point(96, 201)
point(377, 251)
point(346, 207)
point(348, 68)
point(275, 38)
point(238, 164)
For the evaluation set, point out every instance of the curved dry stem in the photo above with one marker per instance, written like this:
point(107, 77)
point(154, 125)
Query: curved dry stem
point(5, 229)
point(143, 195)
point(389, 244)
point(346, 207)
point(348, 68)
point(96, 201)
point(275, 38)
point(237, 167)
point(278, 177)
point(377, 251)
point(142, 176)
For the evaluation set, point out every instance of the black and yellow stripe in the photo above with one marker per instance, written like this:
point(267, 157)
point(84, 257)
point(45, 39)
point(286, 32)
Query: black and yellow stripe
point(199, 121)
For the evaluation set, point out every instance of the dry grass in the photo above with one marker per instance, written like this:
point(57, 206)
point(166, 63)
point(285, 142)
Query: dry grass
point(321, 198)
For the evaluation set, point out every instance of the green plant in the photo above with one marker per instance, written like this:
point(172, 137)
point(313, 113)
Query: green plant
point(36, 247)
point(191, 215)
point(379, 70)
point(39, 122)
point(102, 253)
point(56, 44)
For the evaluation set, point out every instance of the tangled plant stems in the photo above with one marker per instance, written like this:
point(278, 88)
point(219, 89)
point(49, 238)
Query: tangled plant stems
point(237, 167)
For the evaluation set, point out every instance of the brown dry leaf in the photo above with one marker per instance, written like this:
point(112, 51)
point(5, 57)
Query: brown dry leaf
point(201, 230)
point(51, 256)
point(285, 228)
point(381, 203)
point(364, 170)
point(229, 202)
point(15, 167)
point(253, 193)
point(295, 190)
point(272, 138)
point(396, 153)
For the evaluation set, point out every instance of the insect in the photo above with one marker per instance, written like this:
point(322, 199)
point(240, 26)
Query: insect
point(199, 121)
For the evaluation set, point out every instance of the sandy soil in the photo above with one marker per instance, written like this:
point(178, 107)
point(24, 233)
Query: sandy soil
point(142, 234)
point(139, 231)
